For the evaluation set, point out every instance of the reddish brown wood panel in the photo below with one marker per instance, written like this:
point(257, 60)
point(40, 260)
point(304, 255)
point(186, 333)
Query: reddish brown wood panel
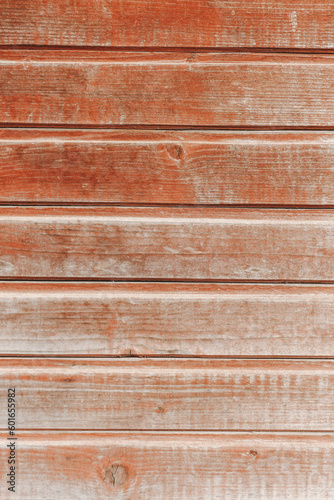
point(167, 167)
point(191, 23)
point(142, 466)
point(93, 88)
point(166, 319)
point(163, 394)
point(167, 244)
point(106, 419)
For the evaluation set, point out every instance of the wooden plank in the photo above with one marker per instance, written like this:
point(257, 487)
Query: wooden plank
point(167, 466)
point(170, 394)
point(167, 244)
point(92, 88)
point(55, 166)
point(166, 319)
point(191, 23)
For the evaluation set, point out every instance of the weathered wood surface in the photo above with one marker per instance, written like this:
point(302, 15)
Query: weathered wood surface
point(155, 167)
point(166, 319)
point(142, 466)
point(167, 244)
point(170, 394)
point(183, 88)
point(92, 88)
point(191, 23)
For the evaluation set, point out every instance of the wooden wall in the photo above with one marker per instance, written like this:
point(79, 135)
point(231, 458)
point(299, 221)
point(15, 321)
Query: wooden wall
point(167, 248)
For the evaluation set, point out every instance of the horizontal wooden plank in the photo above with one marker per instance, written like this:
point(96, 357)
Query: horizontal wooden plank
point(142, 466)
point(167, 167)
point(167, 244)
point(166, 319)
point(170, 394)
point(92, 88)
point(191, 23)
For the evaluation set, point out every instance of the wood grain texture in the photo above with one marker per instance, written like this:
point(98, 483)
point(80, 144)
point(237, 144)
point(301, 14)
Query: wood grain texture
point(170, 394)
point(142, 466)
point(167, 244)
point(191, 23)
point(55, 166)
point(92, 88)
point(166, 319)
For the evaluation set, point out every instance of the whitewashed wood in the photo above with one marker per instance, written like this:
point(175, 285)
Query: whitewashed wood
point(166, 244)
point(145, 466)
point(166, 319)
point(169, 394)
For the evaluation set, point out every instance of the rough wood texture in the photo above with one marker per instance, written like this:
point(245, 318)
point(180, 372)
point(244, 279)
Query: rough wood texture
point(190, 23)
point(166, 89)
point(167, 167)
point(142, 466)
point(185, 88)
point(167, 244)
point(163, 394)
point(166, 319)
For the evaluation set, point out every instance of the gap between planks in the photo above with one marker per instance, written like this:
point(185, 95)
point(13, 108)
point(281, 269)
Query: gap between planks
point(167, 432)
point(202, 432)
point(111, 357)
point(166, 205)
point(204, 50)
point(164, 127)
point(160, 280)
point(149, 357)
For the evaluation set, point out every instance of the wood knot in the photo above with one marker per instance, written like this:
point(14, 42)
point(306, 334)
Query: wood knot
point(116, 474)
point(175, 151)
point(253, 453)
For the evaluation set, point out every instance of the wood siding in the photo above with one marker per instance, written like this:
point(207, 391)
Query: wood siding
point(239, 24)
point(142, 466)
point(178, 89)
point(166, 319)
point(166, 394)
point(167, 243)
point(159, 167)
point(167, 249)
